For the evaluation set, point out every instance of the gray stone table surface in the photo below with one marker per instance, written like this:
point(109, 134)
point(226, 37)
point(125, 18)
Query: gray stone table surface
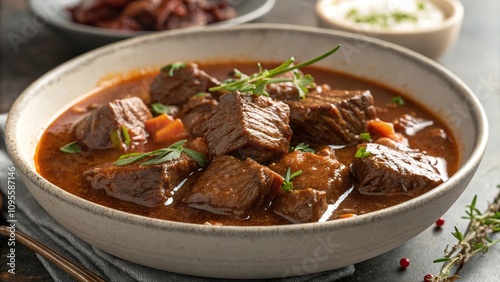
point(475, 59)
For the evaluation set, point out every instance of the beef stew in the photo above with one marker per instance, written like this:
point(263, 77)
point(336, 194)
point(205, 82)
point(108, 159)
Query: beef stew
point(346, 147)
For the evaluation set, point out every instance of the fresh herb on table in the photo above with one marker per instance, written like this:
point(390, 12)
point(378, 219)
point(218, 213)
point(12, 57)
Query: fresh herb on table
point(256, 83)
point(476, 239)
point(159, 156)
point(287, 184)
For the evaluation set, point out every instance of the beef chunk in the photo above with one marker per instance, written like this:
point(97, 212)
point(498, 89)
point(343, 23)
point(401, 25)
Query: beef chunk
point(145, 185)
point(322, 173)
point(233, 187)
point(390, 171)
point(331, 117)
point(300, 206)
point(284, 91)
point(95, 130)
point(248, 126)
point(195, 112)
point(183, 84)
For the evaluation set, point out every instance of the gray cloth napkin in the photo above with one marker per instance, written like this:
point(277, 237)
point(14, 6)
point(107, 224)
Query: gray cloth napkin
point(35, 222)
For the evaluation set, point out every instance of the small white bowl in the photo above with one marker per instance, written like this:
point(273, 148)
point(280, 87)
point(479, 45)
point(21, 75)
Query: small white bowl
point(432, 42)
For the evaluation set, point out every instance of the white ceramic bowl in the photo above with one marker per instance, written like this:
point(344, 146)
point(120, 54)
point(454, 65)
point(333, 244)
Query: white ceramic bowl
point(56, 15)
point(248, 252)
point(431, 42)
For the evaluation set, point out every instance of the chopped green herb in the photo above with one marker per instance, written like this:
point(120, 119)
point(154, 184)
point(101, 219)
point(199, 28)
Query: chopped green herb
point(362, 153)
point(159, 108)
point(420, 6)
point(116, 139)
point(126, 136)
point(159, 156)
point(380, 19)
point(401, 16)
point(198, 157)
point(398, 100)
point(256, 83)
point(302, 82)
point(302, 147)
point(287, 184)
point(200, 95)
point(71, 148)
point(173, 67)
point(365, 136)
point(352, 13)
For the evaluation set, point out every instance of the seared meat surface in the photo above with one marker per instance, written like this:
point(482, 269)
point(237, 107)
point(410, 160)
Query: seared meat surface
point(176, 86)
point(390, 171)
point(322, 173)
point(146, 185)
point(234, 187)
point(97, 129)
point(331, 117)
point(248, 126)
point(301, 206)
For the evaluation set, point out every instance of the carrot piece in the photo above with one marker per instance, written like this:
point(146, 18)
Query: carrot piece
point(173, 132)
point(381, 128)
point(155, 124)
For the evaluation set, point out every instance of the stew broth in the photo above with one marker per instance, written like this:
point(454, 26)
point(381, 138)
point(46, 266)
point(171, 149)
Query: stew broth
point(65, 170)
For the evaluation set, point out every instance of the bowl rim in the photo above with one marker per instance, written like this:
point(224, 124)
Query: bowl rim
point(456, 17)
point(179, 227)
point(68, 25)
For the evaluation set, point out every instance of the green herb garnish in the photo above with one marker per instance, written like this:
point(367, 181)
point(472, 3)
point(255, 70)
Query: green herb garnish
point(401, 16)
point(398, 100)
point(365, 136)
point(256, 83)
point(173, 67)
point(475, 240)
point(287, 184)
point(380, 19)
point(200, 95)
point(159, 108)
point(71, 148)
point(302, 147)
point(352, 13)
point(362, 153)
point(126, 136)
point(159, 156)
point(420, 6)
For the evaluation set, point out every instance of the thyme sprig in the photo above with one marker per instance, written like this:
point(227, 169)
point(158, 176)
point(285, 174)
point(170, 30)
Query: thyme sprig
point(256, 83)
point(304, 147)
point(159, 156)
point(287, 184)
point(476, 239)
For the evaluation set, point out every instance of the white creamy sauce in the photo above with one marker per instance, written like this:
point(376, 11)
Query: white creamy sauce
point(396, 15)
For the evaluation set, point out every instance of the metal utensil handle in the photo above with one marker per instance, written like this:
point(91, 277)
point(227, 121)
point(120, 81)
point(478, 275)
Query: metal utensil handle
point(77, 272)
